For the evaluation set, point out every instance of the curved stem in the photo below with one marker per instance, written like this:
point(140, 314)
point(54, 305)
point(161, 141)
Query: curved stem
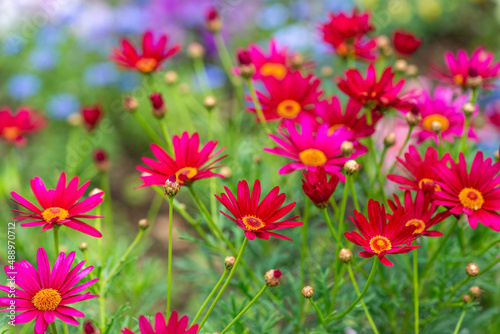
point(353, 191)
point(367, 312)
point(170, 248)
point(258, 108)
point(459, 323)
point(415, 289)
point(147, 128)
point(330, 227)
point(166, 135)
point(65, 328)
point(56, 238)
point(303, 253)
point(343, 206)
point(54, 327)
point(216, 287)
point(224, 56)
point(321, 318)
point(401, 150)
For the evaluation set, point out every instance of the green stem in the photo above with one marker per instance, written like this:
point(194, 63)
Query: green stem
point(201, 73)
point(245, 309)
point(99, 240)
point(166, 135)
point(330, 227)
point(368, 116)
point(147, 128)
point(170, 248)
point(56, 238)
point(258, 108)
point(108, 205)
point(459, 323)
point(321, 318)
point(226, 283)
point(401, 150)
point(463, 141)
point(214, 290)
point(353, 191)
point(303, 254)
point(415, 289)
point(225, 58)
point(343, 206)
point(367, 312)
point(54, 327)
point(65, 328)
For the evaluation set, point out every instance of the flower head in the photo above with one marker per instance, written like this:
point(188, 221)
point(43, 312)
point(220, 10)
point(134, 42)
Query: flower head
point(91, 116)
point(475, 193)
point(188, 164)
point(152, 56)
point(174, 326)
point(44, 294)
point(258, 219)
point(59, 206)
point(380, 237)
point(317, 186)
point(15, 126)
point(405, 42)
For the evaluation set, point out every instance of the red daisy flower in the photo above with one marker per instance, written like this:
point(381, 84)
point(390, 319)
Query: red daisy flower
point(152, 57)
point(15, 126)
point(257, 220)
point(421, 212)
point(419, 173)
point(188, 164)
point(493, 113)
point(461, 67)
point(379, 237)
point(318, 188)
point(174, 326)
point(476, 193)
point(293, 97)
point(311, 148)
point(379, 95)
point(405, 42)
point(59, 206)
point(91, 116)
point(43, 294)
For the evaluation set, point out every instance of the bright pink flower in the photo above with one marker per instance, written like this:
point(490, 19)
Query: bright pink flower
point(291, 98)
point(444, 109)
point(380, 237)
point(257, 220)
point(475, 193)
point(318, 188)
point(174, 326)
point(460, 68)
point(45, 295)
point(311, 148)
point(152, 57)
point(419, 172)
point(188, 164)
point(15, 126)
point(91, 116)
point(405, 42)
point(378, 95)
point(59, 206)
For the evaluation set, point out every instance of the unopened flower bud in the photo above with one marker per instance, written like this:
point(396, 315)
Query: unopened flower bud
point(63, 249)
point(382, 41)
point(307, 292)
point(413, 119)
point(472, 269)
point(172, 186)
point(475, 291)
point(273, 277)
point(468, 109)
point(225, 172)
point(246, 67)
point(229, 262)
point(83, 246)
point(159, 108)
point(497, 155)
point(345, 255)
point(130, 103)
point(347, 147)
point(213, 21)
point(466, 299)
point(411, 70)
point(327, 71)
point(184, 88)
point(400, 65)
point(257, 158)
point(473, 80)
point(210, 102)
point(101, 160)
point(75, 119)
point(96, 191)
point(91, 116)
point(195, 50)
point(171, 77)
point(351, 167)
point(181, 206)
point(143, 224)
point(436, 127)
point(390, 139)
point(89, 328)
point(297, 61)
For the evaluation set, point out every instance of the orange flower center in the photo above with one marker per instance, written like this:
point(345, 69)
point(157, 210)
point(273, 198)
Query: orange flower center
point(428, 120)
point(379, 244)
point(289, 108)
point(274, 70)
point(253, 223)
point(54, 212)
point(418, 223)
point(188, 172)
point(342, 50)
point(336, 127)
point(471, 198)
point(424, 181)
point(11, 133)
point(312, 157)
point(459, 79)
point(47, 299)
point(146, 65)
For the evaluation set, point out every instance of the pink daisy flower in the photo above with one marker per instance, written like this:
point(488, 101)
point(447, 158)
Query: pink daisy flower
point(475, 193)
point(59, 206)
point(46, 294)
point(174, 326)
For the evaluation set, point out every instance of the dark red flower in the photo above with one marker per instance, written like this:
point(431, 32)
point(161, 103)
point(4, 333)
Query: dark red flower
point(317, 187)
point(101, 160)
point(405, 43)
point(212, 14)
point(244, 57)
point(91, 116)
point(15, 126)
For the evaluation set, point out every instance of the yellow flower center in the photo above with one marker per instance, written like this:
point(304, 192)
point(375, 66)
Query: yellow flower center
point(418, 223)
point(424, 181)
point(459, 79)
point(146, 65)
point(312, 157)
point(336, 127)
point(274, 70)
point(47, 300)
point(471, 198)
point(54, 212)
point(428, 120)
point(253, 223)
point(379, 244)
point(289, 108)
point(11, 133)
point(188, 172)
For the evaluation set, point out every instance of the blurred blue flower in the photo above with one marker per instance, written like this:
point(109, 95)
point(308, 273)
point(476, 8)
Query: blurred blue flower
point(12, 44)
point(338, 5)
point(50, 35)
point(101, 74)
point(129, 80)
point(272, 16)
point(301, 10)
point(43, 59)
point(22, 86)
point(216, 76)
point(62, 105)
point(127, 17)
point(296, 36)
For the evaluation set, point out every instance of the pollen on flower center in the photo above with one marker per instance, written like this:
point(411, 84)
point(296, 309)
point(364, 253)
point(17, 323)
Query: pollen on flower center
point(54, 212)
point(471, 198)
point(146, 65)
point(379, 244)
point(313, 157)
point(185, 174)
point(428, 120)
point(11, 132)
point(253, 223)
point(273, 69)
point(336, 127)
point(418, 223)
point(46, 299)
point(289, 109)
point(425, 181)
point(459, 79)
point(342, 50)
